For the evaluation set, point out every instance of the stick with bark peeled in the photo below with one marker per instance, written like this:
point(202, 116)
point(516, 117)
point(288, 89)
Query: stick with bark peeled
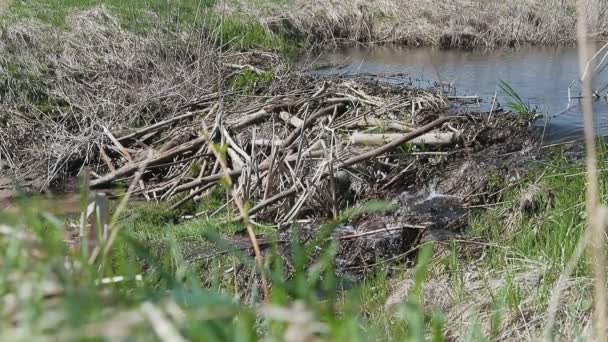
point(393, 144)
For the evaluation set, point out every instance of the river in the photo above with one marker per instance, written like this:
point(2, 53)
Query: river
point(540, 75)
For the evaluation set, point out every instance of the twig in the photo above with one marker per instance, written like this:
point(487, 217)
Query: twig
point(157, 126)
point(382, 230)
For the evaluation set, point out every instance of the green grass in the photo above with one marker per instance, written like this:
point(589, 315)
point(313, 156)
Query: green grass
point(551, 233)
point(520, 245)
point(515, 102)
point(198, 303)
point(176, 258)
point(248, 81)
point(133, 12)
point(237, 31)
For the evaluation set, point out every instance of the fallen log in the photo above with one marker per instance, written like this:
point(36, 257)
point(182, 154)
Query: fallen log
point(375, 122)
point(267, 142)
point(433, 138)
point(266, 112)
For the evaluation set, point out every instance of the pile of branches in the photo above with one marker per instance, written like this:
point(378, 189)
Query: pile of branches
point(312, 150)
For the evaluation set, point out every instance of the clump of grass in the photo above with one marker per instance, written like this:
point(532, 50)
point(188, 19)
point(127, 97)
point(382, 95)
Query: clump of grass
point(249, 81)
point(515, 102)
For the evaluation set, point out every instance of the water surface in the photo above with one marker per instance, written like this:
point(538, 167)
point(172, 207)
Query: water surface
point(541, 76)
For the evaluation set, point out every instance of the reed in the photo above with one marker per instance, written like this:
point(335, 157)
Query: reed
point(465, 23)
point(596, 213)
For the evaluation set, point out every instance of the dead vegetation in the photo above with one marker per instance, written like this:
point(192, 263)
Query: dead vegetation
point(60, 90)
point(429, 22)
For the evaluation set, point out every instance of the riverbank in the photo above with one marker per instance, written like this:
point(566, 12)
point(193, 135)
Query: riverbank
point(458, 23)
point(295, 24)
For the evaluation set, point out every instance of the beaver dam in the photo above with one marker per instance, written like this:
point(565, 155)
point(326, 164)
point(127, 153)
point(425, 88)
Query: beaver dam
point(304, 148)
point(300, 148)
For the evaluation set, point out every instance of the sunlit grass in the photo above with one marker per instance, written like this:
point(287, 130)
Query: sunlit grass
point(238, 30)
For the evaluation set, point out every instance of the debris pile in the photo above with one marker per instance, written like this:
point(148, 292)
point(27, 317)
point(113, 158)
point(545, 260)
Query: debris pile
point(290, 154)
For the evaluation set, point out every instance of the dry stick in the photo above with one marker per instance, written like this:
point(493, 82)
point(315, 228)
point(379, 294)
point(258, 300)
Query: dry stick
point(181, 161)
point(594, 221)
point(432, 139)
point(251, 119)
point(205, 98)
point(267, 142)
point(192, 195)
point(271, 169)
point(106, 158)
point(291, 119)
point(118, 145)
point(272, 200)
point(387, 230)
point(243, 67)
point(393, 144)
point(254, 241)
point(308, 122)
point(374, 122)
point(303, 136)
point(235, 173)
point(114, 228)
point(132, 167)
point(157, 126)
point(265, 113)
point(237, 162)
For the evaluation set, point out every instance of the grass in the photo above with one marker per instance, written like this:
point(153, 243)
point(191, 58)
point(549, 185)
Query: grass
point(515, 102)
point(498, 292)
point(526, 250)
point(458, 23)
point(288, 25)
point(238, 30)
point(132, 12)
point(196, 303)
point(248, 81)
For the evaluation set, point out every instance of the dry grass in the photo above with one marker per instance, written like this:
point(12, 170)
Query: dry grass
point(429, 22)
point(58, 88)
point(504, 305)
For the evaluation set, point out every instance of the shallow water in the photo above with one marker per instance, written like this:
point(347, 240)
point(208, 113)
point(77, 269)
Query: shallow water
point(65, 204)
point(540, 75)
